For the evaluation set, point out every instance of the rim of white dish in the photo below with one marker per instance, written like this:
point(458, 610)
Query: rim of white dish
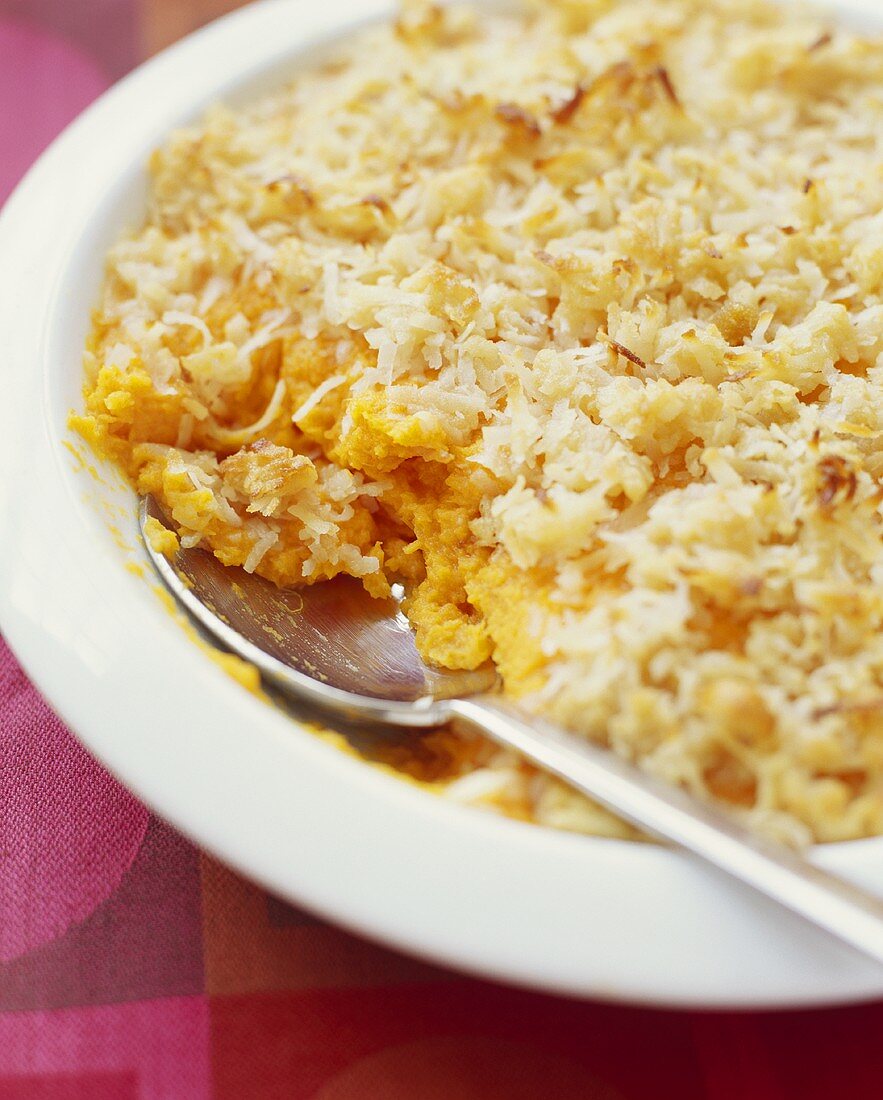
point(588, 917)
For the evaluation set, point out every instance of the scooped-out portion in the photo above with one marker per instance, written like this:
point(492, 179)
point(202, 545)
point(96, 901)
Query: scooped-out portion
point(571, 321)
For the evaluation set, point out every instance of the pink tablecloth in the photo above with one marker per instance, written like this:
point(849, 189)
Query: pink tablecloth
point(132, 965)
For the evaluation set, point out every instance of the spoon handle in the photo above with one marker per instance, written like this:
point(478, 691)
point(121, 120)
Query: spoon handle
point(670, 813)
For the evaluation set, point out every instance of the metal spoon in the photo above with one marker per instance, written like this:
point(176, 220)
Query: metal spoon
point(353, 658)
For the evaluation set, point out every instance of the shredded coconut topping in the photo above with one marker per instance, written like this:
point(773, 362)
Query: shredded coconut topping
point(572, 322)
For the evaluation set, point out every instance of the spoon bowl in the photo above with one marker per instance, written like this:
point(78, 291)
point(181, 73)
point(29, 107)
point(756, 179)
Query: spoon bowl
point(331, 643)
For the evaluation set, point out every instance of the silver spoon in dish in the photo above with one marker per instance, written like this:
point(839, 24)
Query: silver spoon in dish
point(352, 658)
